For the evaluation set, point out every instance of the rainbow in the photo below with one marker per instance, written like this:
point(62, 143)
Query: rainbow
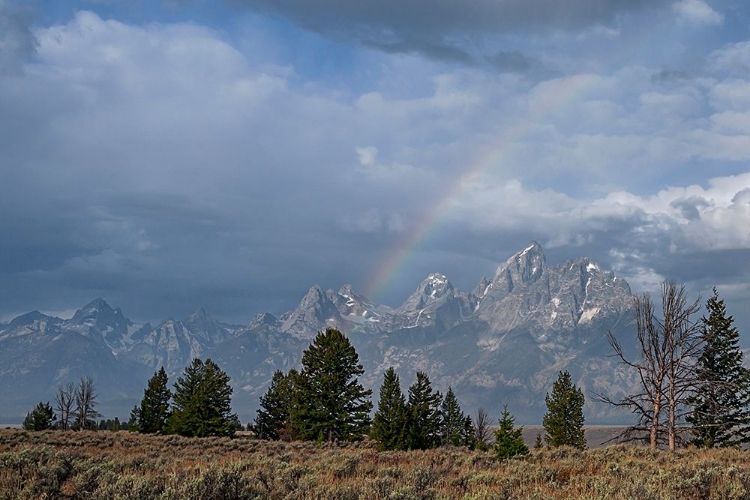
point(426, 224)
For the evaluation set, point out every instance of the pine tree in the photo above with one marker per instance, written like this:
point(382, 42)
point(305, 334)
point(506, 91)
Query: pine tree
point(329, 403)
point(40, 418)
point(423, 414)
point(538, 445)
point(509, 438)
point(272, 420)
point(202, 403)
point(134, 422)
point(468, 432)
point(389, 424)
point(720, 413)
point(154, 410)
point(563, 423)
point(453, 423)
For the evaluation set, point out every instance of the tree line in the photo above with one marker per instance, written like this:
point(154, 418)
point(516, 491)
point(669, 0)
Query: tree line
point(324, 401)
point(690, 377)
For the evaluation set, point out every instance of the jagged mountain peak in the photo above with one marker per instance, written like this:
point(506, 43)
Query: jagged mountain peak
point(263, 319)
point(525, 267)
point(201, 319)
point(98, 314)
point(435, 285)
point(433, 288)
point(482, 288)
point(98, 304)
point(348, 302)
point(27, 319)
point(315, 312)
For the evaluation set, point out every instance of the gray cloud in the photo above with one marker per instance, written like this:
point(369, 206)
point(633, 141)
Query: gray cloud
point(689, 207)
point(671, 76)
point(439, 29)
point(154, 166)
point(17, 43)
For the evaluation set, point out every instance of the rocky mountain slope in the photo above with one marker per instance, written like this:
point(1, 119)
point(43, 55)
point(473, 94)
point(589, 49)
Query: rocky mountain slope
point(502, 343)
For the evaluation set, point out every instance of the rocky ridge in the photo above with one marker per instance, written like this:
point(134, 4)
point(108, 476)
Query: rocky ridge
point(502, 343)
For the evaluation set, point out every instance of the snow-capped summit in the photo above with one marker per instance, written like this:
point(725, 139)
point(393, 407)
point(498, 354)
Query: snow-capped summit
point(98, 320)
point(433, 288)
point(526, 266)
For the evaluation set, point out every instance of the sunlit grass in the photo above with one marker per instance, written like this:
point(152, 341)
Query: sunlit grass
point(113, 465)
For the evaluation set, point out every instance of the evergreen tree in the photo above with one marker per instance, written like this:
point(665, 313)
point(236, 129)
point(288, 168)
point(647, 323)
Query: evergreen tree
point(272, 420)
point(563, 423)
point(329, 403)
point(389, 424)
point(423, 414)
point(202, 402)
point(468, 433)
point(509, 438)
point(453, 423)
point(40, 418)
point(720, 413)
point(154, 410)
point(538, 445)
point(134, 422)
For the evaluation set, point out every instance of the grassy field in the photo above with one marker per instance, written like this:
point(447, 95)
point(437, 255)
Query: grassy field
point(113, 465)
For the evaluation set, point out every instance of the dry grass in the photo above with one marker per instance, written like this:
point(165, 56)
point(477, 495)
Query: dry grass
point(107, 465)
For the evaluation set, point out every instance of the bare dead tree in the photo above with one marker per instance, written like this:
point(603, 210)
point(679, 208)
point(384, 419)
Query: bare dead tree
point(64, 401)
point(683, 341)
point(483, 429)
point(85, 401)
point(666, 366)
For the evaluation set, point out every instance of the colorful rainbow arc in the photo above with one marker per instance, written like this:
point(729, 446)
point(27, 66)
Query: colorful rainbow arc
point(491, 157)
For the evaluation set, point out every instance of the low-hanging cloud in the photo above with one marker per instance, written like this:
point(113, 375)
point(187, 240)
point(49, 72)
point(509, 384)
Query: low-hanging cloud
point(441, 29)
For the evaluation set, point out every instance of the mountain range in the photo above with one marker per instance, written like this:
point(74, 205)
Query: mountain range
point(502, 343)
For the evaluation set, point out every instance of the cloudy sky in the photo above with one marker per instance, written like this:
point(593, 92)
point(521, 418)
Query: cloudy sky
point(229, 154)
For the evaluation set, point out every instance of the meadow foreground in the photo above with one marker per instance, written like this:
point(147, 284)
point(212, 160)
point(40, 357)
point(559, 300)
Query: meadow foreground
point(112, 465)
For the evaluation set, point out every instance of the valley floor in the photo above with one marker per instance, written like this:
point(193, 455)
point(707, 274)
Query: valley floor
point(116, 465)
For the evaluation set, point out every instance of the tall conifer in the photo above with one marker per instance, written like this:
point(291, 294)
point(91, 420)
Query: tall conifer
point(272, 420)
point(455, 429)
point(563, 422)
point(720, 413)
point(389, 424)
point(509, 438)
point(329, 402)
point(424, 415)
point(202, 402)
point(154, 409)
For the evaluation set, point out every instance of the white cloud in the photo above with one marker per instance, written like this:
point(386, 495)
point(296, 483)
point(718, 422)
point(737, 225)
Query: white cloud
point(733, 59)
point(697, 12)
point(367, 155)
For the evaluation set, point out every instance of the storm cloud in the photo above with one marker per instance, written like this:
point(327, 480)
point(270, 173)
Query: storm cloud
point(169, 166)
point(451, 30)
